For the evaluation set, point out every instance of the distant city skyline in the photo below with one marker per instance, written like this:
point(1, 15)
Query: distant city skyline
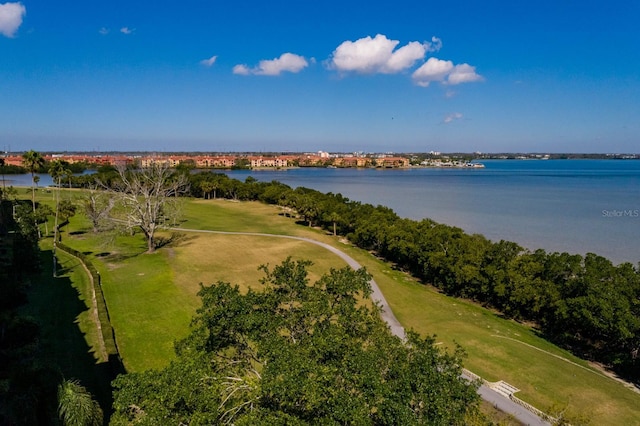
point(295, 76)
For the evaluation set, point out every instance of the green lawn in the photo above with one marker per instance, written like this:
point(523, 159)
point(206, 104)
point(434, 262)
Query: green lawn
point(151, 299)
point(225, 215)
point(548, 377)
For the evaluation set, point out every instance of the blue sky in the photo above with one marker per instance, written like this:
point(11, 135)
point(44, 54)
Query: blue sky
point(491, 76)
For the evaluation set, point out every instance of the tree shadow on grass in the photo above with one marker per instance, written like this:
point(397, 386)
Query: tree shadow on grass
point(58, 306)
point(116, 257)
point(176, 239)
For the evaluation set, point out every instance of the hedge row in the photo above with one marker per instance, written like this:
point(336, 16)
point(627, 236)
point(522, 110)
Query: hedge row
point(108, 334)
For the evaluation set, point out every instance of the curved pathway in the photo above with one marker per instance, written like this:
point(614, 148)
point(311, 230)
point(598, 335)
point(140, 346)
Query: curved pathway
point(494, 398)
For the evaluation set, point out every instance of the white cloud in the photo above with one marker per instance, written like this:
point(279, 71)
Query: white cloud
point(434, 46)
point(376, 55)
point(379, 55)
point(241, 70)
point(404, 57)
point(463, 73)
point(445, 72)
point(433, 70)
point(451, 117)
point(288, 62)
point(104, 30)
point(11, 15)
point(127, 30)
point(209, 62)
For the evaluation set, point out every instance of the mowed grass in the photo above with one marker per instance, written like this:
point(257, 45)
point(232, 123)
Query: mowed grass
point(151, 299)
point(236, 259)
point(548, 377)
point(148, 310)
point(225, 215)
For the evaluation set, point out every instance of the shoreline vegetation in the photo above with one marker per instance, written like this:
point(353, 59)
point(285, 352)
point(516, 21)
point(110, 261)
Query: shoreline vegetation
point(585, 304)
point(236, 190)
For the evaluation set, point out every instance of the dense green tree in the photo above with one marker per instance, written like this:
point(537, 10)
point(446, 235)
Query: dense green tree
point(296, 352)
point(275, 193)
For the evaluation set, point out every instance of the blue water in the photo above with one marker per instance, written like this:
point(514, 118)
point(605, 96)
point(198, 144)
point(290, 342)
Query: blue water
point(577, 206)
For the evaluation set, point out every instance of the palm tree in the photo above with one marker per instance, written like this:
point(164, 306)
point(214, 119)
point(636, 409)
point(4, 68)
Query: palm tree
point(57, 171)
point(335, 218)
point(33, 161)
point(76, 405)
point(206, 186)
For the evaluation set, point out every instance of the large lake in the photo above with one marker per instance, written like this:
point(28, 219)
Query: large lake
point(577, 206)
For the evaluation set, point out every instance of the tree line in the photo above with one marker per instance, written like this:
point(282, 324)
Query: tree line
point(583, 303)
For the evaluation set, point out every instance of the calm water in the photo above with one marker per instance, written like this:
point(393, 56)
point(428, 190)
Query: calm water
point(577, 206)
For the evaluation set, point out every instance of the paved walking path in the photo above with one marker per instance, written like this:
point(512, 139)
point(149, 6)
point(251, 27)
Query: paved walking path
point(496, 399)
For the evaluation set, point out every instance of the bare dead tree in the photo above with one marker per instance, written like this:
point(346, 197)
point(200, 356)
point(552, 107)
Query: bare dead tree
point(97, 206)
point(149, 197)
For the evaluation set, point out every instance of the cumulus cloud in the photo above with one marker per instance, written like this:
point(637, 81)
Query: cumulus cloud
point(209, 62)
point(452, 117)
point(463, 73)
point(287, 62)
point(404, 58)
point(377, 55)
point(11, 15)
point(444, 72)
point(104, 30)
point(127, 30)
point(433, 70)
